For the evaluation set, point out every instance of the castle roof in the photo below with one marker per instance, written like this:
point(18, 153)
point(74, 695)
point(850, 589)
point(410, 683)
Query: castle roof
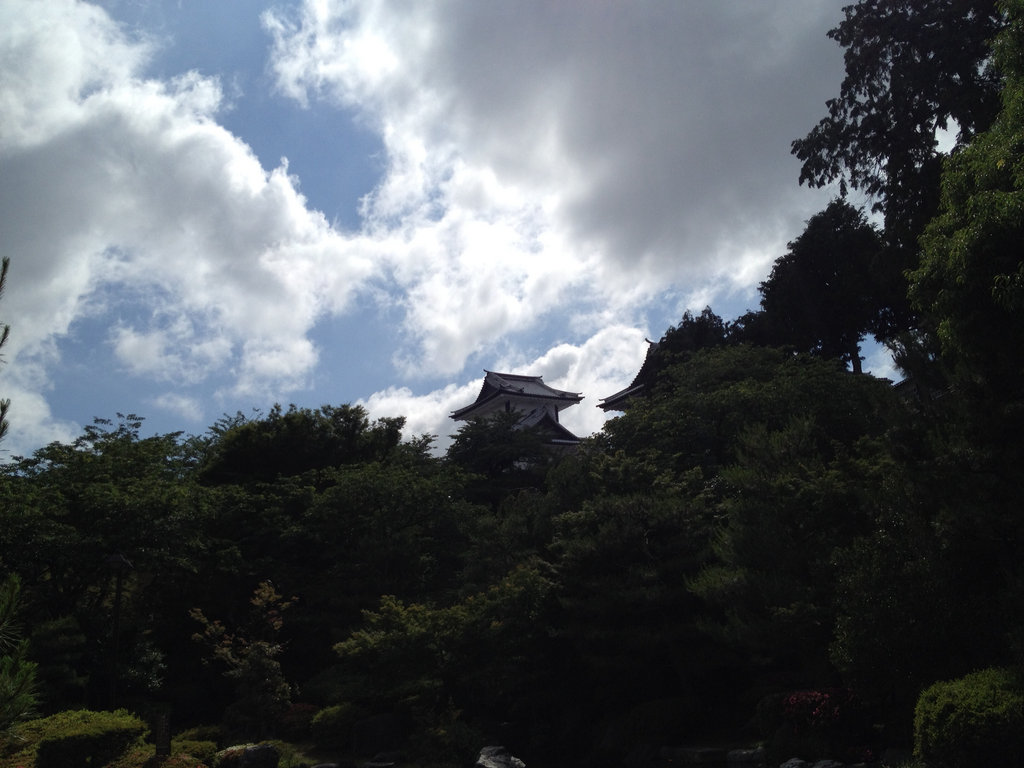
point(524, 392)
point(620, 399)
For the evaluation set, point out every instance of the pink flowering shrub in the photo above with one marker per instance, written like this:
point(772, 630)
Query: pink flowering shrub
point(815, 724)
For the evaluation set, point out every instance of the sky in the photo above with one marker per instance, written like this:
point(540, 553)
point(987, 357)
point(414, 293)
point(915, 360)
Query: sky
point(212, 206)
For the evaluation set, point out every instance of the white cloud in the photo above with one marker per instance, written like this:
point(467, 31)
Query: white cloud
point(551, 158)
point(188, 408)
point(545, 165)
point(597, 368)
point(115, 181)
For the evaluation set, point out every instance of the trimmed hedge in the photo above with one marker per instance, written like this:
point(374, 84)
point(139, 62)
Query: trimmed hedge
point(331, 727)
point(197, 748)
point(76, 739)
point(977, 720)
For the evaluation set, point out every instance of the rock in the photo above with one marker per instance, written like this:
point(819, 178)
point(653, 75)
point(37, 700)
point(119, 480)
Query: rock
point(260, 756)
point(249, 756)
point(754, 758)
point(828, 764)
point(795, 762)
point(498, 757)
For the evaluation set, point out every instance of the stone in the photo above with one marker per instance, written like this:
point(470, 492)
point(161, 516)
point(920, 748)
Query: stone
point(260, 756)
point(739, 758)
point(498, 757)
point(249, 756)
point(795, 762)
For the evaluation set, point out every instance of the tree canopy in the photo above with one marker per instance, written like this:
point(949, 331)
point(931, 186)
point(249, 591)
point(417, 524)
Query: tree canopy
point(763, 539)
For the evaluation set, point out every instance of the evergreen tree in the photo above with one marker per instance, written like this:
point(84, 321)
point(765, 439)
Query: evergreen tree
point(17, 673)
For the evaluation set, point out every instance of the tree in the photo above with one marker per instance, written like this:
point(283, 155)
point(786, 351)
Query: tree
point(501, 455)
point(802, 478)
point(912, 67)
point(17, 673)
point(250, 654)
point(290, 442)
point(970, 283)
point(970, 287)
point(821, 296)
point(67, 511)
point(485, 659)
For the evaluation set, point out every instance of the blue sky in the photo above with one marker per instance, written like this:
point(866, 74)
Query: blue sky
point(215, 206)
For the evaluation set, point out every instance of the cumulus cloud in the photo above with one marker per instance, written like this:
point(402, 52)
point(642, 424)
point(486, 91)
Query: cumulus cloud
point(114, 180)
point(600, 366)
point(535, 151)
point(549, 172)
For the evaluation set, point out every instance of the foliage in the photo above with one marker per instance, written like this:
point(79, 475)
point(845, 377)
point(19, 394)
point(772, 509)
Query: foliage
point(969, 281)
point(761, 521)
point(73, 517)
point(17, 673)
point(822, 295)
point(500, 455)
point(75, 738)
point(804, 479)
point(814, 724)
point(969, 288)
point(298, 440)
point(200, 733)
point(479, 655)
point(622, 563)
point(250, 654)
point(912, 68)
point(331, 727)
point(974, 720)
point(203, 751)
point(295, 724)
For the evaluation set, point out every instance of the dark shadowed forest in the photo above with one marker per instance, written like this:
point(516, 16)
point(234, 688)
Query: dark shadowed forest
point(766, 547)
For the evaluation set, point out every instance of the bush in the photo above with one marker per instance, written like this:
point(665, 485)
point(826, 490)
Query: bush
point(200, 733)
point(199, 749)
point(331, 727)
point(295, 724)
point(977, 720)
point(84, 738)
point(815, 724)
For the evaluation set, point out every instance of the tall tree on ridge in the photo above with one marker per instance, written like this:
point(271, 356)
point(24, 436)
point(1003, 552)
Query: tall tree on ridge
point(913, 67)
point(821, 297)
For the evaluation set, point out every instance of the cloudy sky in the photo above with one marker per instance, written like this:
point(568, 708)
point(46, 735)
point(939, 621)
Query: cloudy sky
point(213, 206)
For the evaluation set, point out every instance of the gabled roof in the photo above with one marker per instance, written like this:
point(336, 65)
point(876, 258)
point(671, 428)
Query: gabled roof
point(525, 391)
point(547, 422)
point(618, 401)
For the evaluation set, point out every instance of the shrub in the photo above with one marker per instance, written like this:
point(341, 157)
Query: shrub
point(446, 740)
point(657, 722)
point(814, 724)
point(975, 720)
point(296, 722)
point(199, 749)
point(83, 738)
point(200, 733)
point(331, 727)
